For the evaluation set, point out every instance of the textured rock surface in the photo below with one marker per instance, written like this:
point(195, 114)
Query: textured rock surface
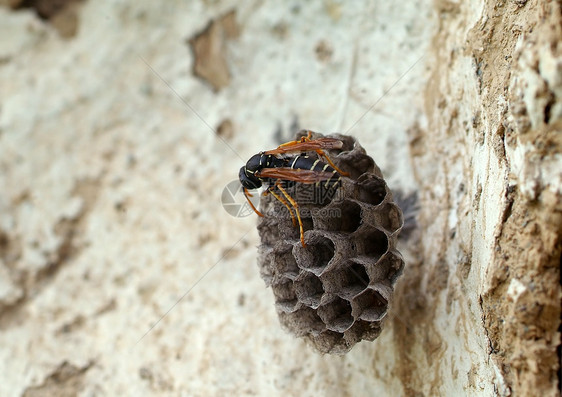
point(335, 291)
point(120, 273)
point(489, 169)
point(110, 207)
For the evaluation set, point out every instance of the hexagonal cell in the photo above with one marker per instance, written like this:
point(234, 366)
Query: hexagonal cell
point(389, 217)
point(304, 321)
point(357, 164)
point(352, 158)
point(369, 306)
point(362, 330)
point(345, 217)
point(371, 242)
point(316, 255)
point(336, 315)
point(285, 297)
point(285, 262)
point(347, 282)
point(389, 267)
point(370, 189)
point(309, 289)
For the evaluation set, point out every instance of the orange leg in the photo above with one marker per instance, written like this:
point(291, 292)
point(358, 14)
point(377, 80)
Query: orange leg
point(321, 153)
point(295, 206)
point(303, 139)
point(307, 138)
point(247, 194)
point(282, 200)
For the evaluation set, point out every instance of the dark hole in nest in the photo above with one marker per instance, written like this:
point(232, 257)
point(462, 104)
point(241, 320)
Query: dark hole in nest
point(358, 276)
point(350, 217)
point(309, 289)
point(307, 224)
point(349, 281)
point(344, 217)
point(337, 314)
point(358, 165)
point(322, 251)
point(370, 190)
point(374, 243)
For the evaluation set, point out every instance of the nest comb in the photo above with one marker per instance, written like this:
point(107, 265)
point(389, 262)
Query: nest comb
point(335, 291)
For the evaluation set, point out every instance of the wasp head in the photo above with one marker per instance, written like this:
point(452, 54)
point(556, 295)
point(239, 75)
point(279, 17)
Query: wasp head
point(247, 176)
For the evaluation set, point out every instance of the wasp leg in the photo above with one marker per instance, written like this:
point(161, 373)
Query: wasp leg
point(282, 200)
point(321, 153)
point(307, 138)
point(292, 143)
point(295, 206)
point(247, 194)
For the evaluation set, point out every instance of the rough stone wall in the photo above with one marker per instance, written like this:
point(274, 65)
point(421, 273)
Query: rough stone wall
point(489, 166)
point(120, 273)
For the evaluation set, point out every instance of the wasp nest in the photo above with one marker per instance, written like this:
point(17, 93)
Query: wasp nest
point(335, 291)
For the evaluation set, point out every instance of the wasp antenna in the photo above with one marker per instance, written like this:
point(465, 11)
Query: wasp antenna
point(247, 194)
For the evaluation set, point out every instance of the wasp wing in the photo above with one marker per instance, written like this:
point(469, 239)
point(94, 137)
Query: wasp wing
point(296, 175)
point(308, 146)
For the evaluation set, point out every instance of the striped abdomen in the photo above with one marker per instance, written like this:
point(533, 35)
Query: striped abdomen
point(325, 188)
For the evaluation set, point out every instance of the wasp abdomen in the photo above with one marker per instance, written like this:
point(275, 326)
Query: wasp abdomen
point(323, 190)
point(315, 164)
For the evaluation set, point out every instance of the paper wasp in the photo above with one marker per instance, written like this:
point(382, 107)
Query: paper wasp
point(289, 162)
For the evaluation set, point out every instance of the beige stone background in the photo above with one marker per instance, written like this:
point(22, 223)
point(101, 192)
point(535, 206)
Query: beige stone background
point(122, 121)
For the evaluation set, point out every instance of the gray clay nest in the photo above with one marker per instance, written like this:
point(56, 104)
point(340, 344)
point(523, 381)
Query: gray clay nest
point(335, 291)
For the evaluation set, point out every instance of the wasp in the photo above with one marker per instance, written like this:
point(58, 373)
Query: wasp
point(290, 163)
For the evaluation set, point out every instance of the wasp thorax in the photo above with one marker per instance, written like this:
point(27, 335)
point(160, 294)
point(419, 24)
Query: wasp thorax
point(255, 163)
